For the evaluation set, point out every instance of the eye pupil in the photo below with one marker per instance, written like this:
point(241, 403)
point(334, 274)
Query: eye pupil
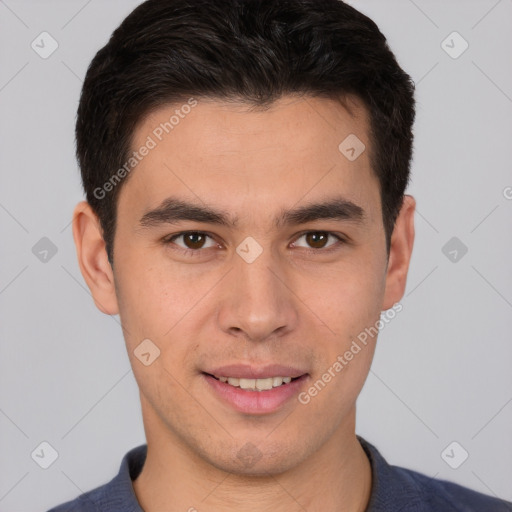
point(314, 238)
point(193, 238)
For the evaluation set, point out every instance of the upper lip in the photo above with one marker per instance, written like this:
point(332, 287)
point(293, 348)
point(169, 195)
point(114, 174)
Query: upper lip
point(241, 371)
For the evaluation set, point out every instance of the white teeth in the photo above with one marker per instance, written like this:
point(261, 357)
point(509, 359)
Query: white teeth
point(256, 384)
point(263, 384)
point(247, 383)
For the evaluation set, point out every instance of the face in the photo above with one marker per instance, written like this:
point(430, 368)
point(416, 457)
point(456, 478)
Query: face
point(249, 247)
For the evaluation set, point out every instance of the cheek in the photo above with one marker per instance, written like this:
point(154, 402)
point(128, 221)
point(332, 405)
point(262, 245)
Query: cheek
point(151, 299)
point(153, 306)
point(348, 303)
point(158, 300)
point(346, 298)
point(345, 350)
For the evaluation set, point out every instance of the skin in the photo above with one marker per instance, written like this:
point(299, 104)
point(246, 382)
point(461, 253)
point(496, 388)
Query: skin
point(293, 305)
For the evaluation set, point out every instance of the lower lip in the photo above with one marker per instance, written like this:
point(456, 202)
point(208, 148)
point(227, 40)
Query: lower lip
point(255, 402)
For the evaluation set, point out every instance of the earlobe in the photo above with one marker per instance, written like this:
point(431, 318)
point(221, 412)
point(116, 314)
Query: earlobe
point(92, 258)
point(402, 241)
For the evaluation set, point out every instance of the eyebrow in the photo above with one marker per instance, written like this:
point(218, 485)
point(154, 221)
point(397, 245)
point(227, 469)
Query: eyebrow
point(173, 210)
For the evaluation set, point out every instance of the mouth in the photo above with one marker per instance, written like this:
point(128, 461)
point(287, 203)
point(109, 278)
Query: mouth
point(256, 391)
point(265, 384)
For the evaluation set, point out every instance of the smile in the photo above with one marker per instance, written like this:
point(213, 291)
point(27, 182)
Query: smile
point(255, 384)
point(256, 392)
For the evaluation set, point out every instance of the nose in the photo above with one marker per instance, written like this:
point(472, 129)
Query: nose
point(257, 300)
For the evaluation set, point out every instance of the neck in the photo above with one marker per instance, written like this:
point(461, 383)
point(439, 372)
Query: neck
point(336, 478)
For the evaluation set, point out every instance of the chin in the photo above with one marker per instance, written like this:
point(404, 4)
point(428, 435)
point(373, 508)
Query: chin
point(258, 459)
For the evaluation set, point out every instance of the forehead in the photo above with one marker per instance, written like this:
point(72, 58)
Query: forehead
point(233, 156)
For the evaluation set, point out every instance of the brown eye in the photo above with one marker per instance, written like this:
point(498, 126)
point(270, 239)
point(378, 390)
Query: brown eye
point(194, 240)
point(317, 240)
point(190, 240)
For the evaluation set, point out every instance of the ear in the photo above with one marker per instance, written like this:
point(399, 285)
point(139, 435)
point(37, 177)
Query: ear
point(92, 258)
point(402, 241)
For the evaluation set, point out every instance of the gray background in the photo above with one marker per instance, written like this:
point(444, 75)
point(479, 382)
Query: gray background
point(441, 371)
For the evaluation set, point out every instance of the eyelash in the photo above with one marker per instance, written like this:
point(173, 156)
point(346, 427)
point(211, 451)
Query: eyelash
point(197, 252)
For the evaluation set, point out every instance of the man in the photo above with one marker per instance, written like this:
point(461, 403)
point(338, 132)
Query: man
point(245, 163)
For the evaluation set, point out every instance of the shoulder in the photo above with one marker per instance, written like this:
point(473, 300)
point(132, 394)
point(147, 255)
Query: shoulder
point(86, 502)
point(396, 489)
point(110, 496)
point(448, 496)
point(115, 496)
